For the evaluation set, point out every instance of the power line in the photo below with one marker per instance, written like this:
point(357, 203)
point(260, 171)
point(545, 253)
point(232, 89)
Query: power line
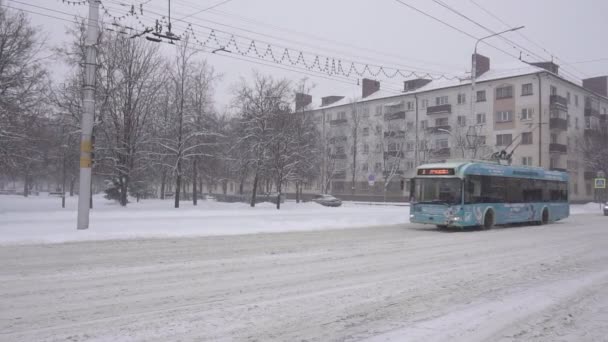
point(206, 9)
point(317, 38)
point(322, 63)
point(551, 54)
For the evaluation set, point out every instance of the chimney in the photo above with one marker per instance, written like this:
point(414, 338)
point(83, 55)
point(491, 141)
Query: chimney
point(549, 66)
point(597, 85)
point(412, 85)
point(327, 100)
point(369, 87)
point(302, 100)
point(482, 64)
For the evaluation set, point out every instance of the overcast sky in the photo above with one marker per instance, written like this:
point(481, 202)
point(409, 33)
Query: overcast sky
point(383, 32)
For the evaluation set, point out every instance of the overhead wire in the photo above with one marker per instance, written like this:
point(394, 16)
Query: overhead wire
point(524, 36)
point(388, 72)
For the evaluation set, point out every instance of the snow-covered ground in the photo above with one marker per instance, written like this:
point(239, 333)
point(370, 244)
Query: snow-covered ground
point(393, 283)
point(40, 219)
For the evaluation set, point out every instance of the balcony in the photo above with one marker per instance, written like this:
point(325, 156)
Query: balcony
point(441, 152)
point(559, 102)
point(396, 154)
point(594, 133)
point(590, 175)
point(558, 148)
point(394, 116)
point(339, 139)
point(338, 156)
point(439, 129)
point(558, 123)
point(592, 112)
point(441, 109)
point(339, 175)
point(394, 134)
point(338, 122)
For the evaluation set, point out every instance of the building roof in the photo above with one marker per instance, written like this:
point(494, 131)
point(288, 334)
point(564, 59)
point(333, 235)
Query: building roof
point(490, 75)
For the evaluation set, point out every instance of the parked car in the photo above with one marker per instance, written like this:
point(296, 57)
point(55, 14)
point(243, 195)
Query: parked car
point(606, 209)
point(327, 200)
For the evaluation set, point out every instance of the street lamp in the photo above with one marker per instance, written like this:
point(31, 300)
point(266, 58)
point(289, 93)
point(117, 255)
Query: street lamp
point(474, 64)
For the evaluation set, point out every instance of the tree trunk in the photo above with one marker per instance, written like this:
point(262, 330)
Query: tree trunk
point(178, 183)
point(194, 185)
point(255, 187)
point(26, 185)
point(72, 183)
point(163, 181)
point(241, 185)
point(297, 192)
point(124, 186)
point(225, 186)
point(278, 194)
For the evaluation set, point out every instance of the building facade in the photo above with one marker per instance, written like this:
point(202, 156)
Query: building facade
point(373, 144)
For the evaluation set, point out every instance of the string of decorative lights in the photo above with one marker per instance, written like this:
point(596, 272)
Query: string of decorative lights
point(309, 61)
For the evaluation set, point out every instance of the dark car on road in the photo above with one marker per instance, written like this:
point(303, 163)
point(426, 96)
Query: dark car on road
point(327, 200)
point(606, 209)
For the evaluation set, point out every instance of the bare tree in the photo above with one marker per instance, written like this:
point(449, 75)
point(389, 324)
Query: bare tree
point(130, 78)
point(22, 89)
point(257, 104)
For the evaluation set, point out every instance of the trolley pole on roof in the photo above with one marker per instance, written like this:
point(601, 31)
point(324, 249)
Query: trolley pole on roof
point(88, 114)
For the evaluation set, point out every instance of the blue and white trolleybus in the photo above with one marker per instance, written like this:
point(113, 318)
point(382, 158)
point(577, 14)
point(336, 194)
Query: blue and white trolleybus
point(483, 194)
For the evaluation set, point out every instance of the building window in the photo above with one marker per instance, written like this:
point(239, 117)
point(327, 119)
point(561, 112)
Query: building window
point(568, 97)
point(576, 123)
point(526, 138)
point(480, 140)
point(442, 143)
point(553, 90)
point(339, 149)
point(410, 126)
point(441, 100)
point(423, 145)
point(441, 122)
point(392, 146)
point(409, 146)
point(587, 122)
point(526, 89)
point(378, 167)
point(527, 161)
point(481, 96)
point(364, 167)
point(424, 124)
point(365, 149)
point(378, 148)
point(588, 188)
point(526, 113)
point(365, 131)
point(576, 100)
point(462, 120)
point(341, 116)
point(481, 118)
point(424, 103)
point(378, 130)
point(568, 119)
point(553, 138)
point(504, 139)
point(553, 163)
point(410, 105)
point(504, 92)
point(378, 110)
point(409, 165)
point(365, 112)
point(504, 116)
point(462, 99)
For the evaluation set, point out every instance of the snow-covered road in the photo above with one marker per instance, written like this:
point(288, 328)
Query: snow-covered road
point(392, 283)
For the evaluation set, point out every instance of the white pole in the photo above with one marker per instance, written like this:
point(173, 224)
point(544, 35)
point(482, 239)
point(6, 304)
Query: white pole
point(86, 145)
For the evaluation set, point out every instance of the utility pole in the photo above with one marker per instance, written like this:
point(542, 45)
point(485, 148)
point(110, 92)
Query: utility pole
point(86, 144)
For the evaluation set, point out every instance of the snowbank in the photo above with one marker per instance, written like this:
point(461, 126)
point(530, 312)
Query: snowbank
point(41, 219)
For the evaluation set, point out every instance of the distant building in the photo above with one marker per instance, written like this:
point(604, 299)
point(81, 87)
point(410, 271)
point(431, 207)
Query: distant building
point(383, 136)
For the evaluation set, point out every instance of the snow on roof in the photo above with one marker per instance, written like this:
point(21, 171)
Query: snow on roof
point(490, 75)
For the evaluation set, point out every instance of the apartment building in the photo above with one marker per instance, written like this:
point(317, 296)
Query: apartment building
point(383, 136)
